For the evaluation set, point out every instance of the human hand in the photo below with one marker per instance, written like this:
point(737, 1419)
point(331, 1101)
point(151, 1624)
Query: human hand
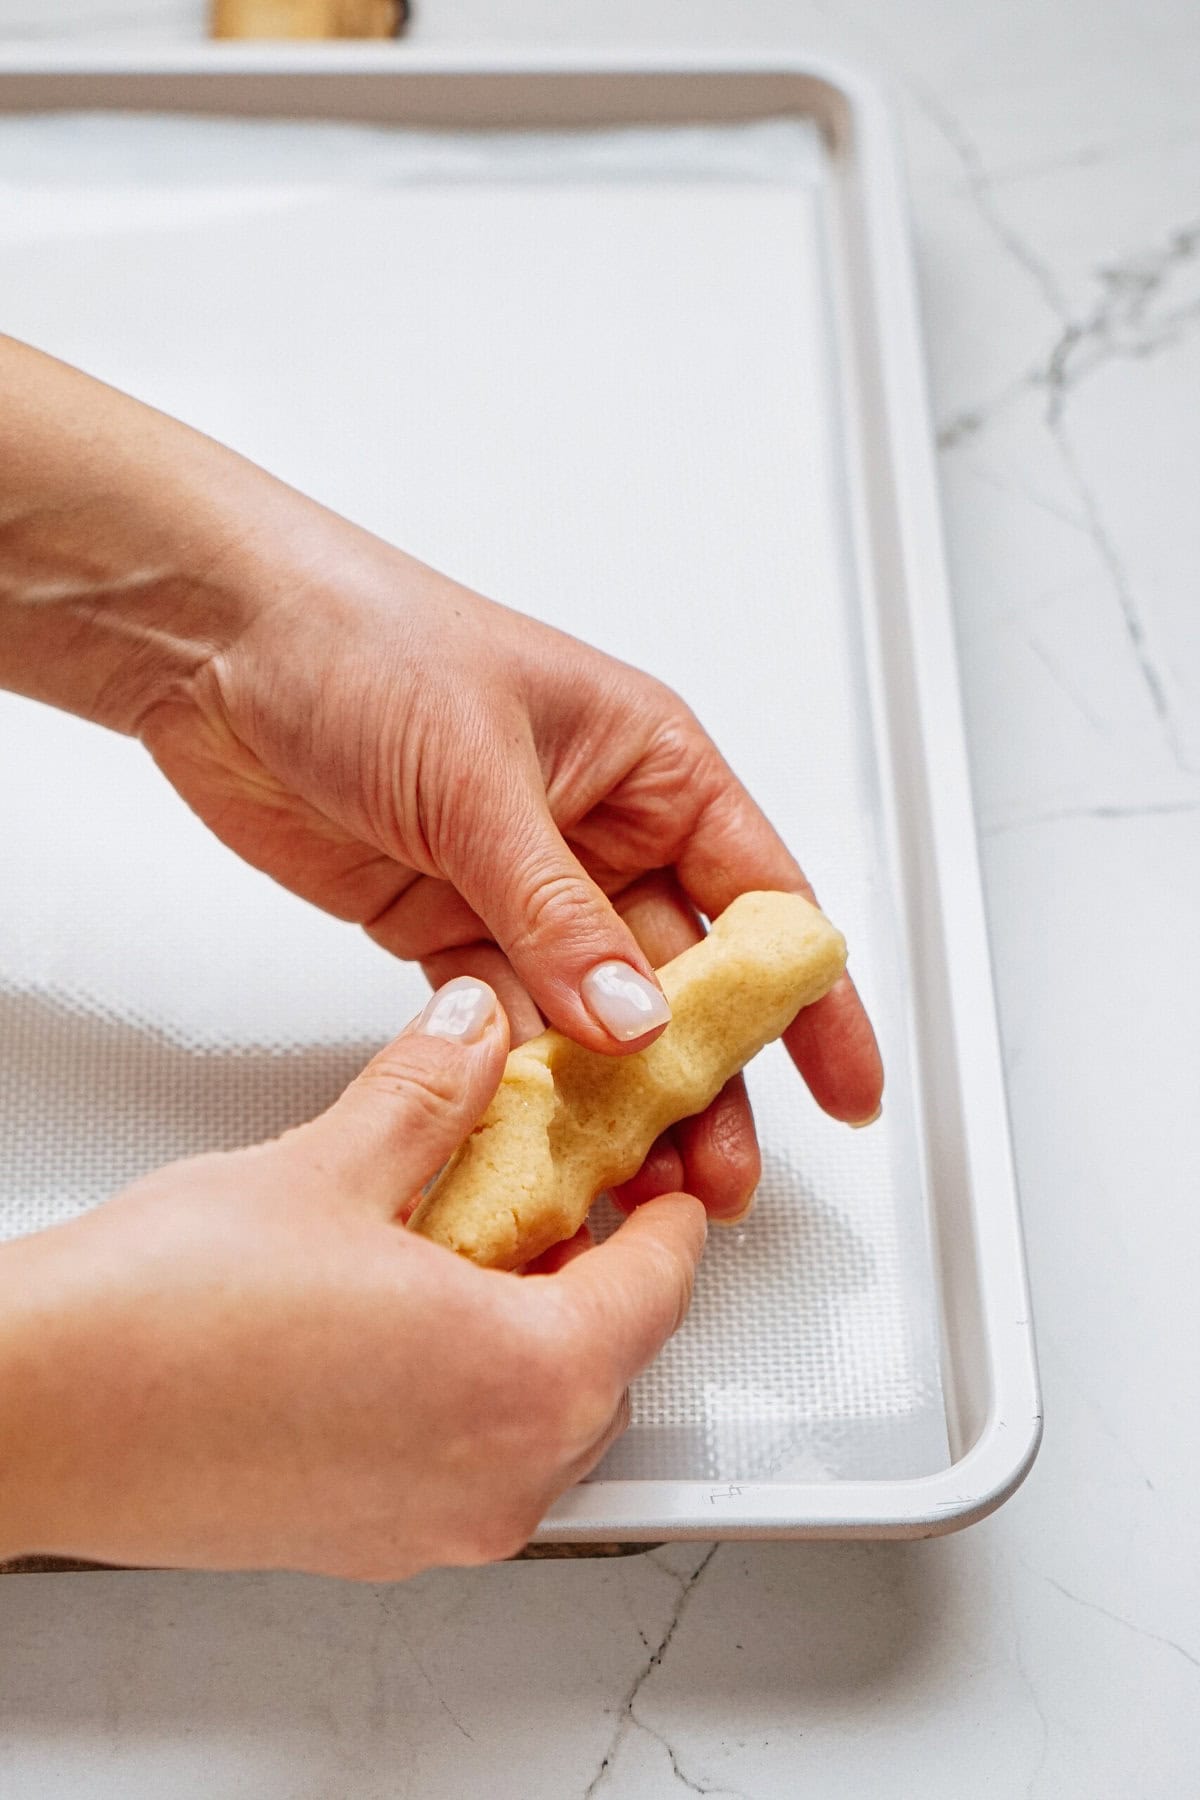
point(475, 788)
point(244, 1361)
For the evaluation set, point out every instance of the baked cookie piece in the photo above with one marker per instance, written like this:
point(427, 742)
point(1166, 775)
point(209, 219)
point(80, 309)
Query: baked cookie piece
point(566, 1123)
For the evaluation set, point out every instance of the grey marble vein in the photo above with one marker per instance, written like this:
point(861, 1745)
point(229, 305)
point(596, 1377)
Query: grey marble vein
point(981, 189)
point(971, 421)
point(1155, 1637)
point(1121, 322)
point(1088, 156)
point(1063, 682)
point(626, 1717)
point(1153, 679)
point(680, 1774)
point(1148, 810)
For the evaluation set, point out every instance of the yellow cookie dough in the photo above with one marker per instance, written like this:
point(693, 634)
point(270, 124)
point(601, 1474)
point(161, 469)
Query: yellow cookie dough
point(566, 1123)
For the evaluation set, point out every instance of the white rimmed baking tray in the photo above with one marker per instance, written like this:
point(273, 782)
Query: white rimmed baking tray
point(632, 344)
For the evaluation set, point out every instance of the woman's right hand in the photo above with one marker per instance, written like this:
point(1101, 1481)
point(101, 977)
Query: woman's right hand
point(244, 1361)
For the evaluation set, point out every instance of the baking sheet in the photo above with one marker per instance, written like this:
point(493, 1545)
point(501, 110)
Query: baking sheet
point(591, 374)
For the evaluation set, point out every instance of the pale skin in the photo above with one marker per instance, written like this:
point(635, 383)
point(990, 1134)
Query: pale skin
point(279, 1375)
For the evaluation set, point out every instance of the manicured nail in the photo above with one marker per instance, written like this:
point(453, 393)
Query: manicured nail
point(861, 1124)
point(461, 1011)
point(624, 1002)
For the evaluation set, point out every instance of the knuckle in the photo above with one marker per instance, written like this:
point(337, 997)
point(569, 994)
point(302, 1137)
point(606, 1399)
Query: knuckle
point(425, 1080)
point(556, 903)
point(681, 745)
point(655, 699)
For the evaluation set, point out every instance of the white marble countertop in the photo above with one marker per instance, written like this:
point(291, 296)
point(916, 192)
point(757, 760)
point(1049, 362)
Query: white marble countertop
point(1054, 150)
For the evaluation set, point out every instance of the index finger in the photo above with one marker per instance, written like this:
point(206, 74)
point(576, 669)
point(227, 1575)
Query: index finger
point(734, 848)
point(632, 1292)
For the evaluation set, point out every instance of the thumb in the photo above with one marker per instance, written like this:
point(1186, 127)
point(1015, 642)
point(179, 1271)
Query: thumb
point(578, 960)
point(412, 1106)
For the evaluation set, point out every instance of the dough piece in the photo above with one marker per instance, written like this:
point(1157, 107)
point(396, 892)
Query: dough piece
point(566, 1123)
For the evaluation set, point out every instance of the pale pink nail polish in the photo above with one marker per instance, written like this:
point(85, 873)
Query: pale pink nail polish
point(623, 1001)
point(460, 1011)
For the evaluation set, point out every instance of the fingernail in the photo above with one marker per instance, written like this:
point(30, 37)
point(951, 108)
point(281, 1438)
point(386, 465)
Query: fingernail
point(734, 1218)
point(624, 1002)
point(461, 1011)
point(861, 1124)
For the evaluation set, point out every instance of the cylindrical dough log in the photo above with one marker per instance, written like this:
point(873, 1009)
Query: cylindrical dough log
point(566, 1123)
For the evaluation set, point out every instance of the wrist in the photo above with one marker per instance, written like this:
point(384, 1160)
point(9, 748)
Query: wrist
point(105, 611)
point(122, 543)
